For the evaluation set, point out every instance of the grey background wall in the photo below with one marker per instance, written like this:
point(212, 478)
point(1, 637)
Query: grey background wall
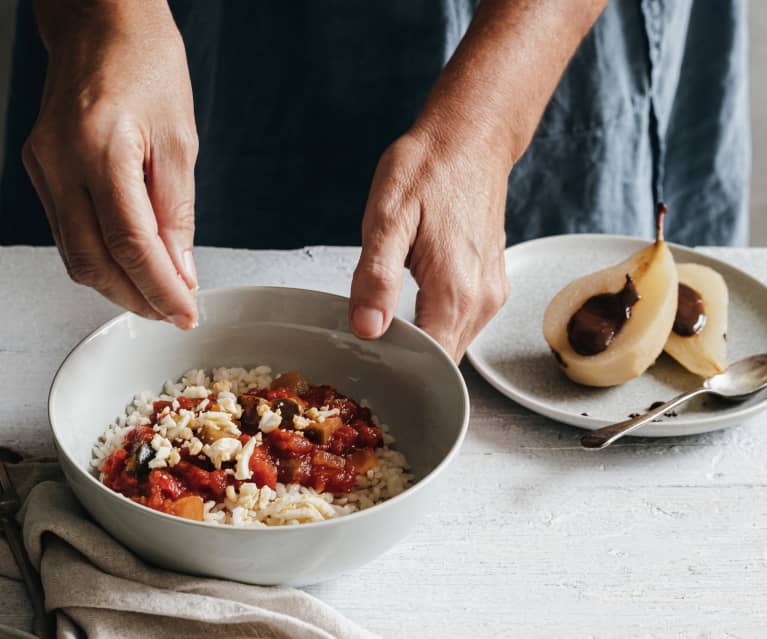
point(758, 55)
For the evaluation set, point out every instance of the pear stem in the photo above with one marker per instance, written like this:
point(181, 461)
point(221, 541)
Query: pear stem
point(659, 217)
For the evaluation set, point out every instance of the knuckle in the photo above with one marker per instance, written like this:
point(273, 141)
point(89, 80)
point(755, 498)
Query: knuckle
point(105, 134)
point(85, 269)
point(129, 248)
point(39, 144)
point(378, 273)
point(186, 144)
point(182, 216)
point(92, 127)
point(27, 155)
point(388, 208)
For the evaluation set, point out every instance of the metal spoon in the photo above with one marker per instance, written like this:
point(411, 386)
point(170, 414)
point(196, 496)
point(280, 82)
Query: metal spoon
point(741, 380)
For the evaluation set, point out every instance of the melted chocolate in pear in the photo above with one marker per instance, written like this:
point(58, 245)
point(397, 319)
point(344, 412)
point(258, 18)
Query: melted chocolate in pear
point(594, 325)
point(690, 312)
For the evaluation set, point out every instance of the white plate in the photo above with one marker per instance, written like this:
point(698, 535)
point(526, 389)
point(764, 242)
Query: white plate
point(512, 355)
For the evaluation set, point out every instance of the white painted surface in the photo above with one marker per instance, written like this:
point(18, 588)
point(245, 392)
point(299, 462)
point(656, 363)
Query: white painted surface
point(536, 537)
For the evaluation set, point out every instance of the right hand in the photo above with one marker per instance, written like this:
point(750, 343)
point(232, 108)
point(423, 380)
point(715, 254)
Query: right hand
point(112, 155)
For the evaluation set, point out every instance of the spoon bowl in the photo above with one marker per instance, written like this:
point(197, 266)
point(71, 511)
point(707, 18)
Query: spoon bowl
point(741, 379)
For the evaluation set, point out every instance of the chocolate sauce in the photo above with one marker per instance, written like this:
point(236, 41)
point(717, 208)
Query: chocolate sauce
point(690, 313)
point(593, 327)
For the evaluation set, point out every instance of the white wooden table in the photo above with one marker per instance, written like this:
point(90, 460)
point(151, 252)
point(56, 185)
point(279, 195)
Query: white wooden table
point(534, 537)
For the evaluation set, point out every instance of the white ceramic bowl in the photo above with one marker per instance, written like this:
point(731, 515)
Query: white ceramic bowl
point(409, 381)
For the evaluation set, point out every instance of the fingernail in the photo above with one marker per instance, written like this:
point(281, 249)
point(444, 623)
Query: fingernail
point(191, 271)
point(181, 321)
point(367, 322)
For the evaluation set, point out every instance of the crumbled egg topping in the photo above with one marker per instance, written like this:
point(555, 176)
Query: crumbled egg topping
point(218, 421)
point(222, 450)
point(162, 451)
point(227, 401)
point(270, 420)
point(242, 470)
point(300, 422)
point(177, 426)
point(322, 414)
point(195, 446)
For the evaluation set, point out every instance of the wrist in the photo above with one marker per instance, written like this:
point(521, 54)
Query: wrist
point(74, 23)
point(459, 129)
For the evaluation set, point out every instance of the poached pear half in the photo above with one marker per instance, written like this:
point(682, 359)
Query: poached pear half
point(698, 340)
point(610, 326)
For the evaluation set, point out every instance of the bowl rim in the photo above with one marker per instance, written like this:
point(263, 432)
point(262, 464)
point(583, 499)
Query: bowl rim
point(377, 508)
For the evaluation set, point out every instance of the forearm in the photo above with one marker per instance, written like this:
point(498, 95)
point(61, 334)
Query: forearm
point(62, 21)
point(500, 79)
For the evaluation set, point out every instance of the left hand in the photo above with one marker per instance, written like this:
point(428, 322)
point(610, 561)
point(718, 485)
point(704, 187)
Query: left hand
point(438, 209)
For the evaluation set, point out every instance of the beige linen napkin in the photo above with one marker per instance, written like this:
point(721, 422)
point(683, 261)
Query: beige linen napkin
point(98, 588)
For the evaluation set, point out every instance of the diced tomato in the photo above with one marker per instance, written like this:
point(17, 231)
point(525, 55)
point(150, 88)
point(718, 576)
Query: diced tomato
point(277, 393)
point(139, 434)
point(332, 479)
point(342, 440)
point(115, 462)
point(263, 469)
point(327, 460)
point(218, 480)
point(157, 408)
point(347, 409)
point(369, 436)
point(319, 396)
point(285, 444)
point(117, 477)
point(187, 403)
point(164, 483)
point(195, 478)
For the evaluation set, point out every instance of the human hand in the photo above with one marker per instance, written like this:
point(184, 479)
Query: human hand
point(439, 209)
point(113, 150)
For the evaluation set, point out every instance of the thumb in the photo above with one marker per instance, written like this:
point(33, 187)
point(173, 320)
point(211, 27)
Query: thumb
point(377, 281)
point(170, 184)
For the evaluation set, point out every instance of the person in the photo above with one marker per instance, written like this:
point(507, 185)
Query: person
point(293, 103)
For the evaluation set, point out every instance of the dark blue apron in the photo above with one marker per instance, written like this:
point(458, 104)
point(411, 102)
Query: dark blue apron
point(295, 102)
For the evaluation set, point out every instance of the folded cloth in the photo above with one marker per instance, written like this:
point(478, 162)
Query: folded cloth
point(98, 588)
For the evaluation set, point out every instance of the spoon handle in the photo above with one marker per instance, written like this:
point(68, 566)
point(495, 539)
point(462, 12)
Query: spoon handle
point(603, 437)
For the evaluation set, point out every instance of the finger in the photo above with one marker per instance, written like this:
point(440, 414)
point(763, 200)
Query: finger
point(493, 293)
point(86, 257)
point(131, 237)
point(37, 177)
point(388, 231)
point(170, 184)
point(435, 313)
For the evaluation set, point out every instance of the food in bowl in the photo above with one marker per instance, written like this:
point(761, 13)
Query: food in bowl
point(239, 447)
